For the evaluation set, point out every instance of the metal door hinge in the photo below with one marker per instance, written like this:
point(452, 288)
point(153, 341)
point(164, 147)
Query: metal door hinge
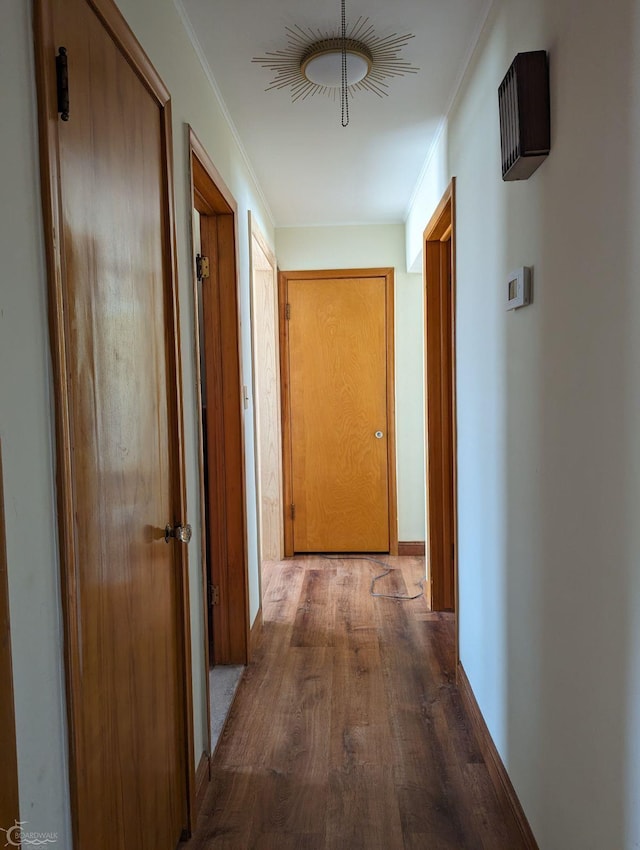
point(202, 267)
point(214, 594)
point(293, 511)
point(287, 311)
point(62, 78)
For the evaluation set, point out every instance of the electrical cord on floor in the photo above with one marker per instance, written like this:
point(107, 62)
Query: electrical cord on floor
point(387, 569)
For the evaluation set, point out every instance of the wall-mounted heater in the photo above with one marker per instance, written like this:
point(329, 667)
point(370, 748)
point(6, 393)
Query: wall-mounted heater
point(523, 98)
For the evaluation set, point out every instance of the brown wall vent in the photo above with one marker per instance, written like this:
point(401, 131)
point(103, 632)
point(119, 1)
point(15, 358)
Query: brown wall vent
point(523, 99)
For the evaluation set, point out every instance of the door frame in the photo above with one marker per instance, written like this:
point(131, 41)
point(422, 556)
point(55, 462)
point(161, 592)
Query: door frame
point(287, 465)
point(226, 513)
point(45, 51)
point(439, 244)
point(255, 234)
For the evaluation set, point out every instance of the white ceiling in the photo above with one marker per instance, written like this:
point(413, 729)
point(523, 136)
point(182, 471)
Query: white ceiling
point(312, 170)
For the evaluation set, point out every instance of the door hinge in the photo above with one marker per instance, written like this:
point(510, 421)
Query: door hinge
point(293, 511)
point(62, 80)
point(202, 267)
point(287, 312)
point(214, 594)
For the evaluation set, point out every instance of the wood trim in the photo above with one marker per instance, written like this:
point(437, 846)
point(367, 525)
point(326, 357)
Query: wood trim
point(52, 215)
point(115, 22)
point(391, 412)
point(45, 49)
point(203, 777)
point(287, 469)
point(415, 548)
point(227, 502)
point(180, 482)
point(454, 415)
point(200, 449)
point(495, 767)
point(256, 233)
point(440, 405)
point(9, 792)
point(285, 400)
point(213, 188)
point(256, 632)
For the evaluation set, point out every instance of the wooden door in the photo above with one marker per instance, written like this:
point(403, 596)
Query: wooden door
point(340, 422)
point(119, 430)
point(266, 397)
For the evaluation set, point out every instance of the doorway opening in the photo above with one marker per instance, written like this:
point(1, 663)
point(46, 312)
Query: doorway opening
point(221, 456)
point(266, 398)
point(439, 281)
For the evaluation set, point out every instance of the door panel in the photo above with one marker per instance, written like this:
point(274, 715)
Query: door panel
point(266, 379)
point(338, 401)
point(127, 712)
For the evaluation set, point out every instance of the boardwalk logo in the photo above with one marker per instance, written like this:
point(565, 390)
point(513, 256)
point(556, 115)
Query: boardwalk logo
point(17, 835)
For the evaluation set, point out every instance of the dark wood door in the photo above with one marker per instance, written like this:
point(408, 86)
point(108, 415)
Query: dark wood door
point(119, 396)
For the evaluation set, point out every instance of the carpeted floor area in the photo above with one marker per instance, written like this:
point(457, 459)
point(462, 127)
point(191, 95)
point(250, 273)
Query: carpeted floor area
point(223, 681)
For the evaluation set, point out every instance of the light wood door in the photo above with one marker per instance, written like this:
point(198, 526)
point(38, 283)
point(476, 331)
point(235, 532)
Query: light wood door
point(266, 383)
point(119, 395)
point(339, 424)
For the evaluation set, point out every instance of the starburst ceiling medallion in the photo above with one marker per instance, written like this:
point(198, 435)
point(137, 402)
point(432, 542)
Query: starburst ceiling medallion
point(322, 62)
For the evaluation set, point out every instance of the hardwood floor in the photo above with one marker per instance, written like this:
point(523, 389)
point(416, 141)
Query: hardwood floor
point(347, 730)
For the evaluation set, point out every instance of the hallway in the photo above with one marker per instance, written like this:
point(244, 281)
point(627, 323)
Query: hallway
point(347, 730)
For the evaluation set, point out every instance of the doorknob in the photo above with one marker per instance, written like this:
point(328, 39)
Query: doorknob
point(179, 532)
point(379, 435)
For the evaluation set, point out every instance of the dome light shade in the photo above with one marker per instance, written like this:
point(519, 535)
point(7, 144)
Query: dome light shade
point(324, 67)
point(337, 64)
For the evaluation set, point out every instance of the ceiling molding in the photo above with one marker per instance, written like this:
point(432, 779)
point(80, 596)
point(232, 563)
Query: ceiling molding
point(491, 4)
point(193, 38)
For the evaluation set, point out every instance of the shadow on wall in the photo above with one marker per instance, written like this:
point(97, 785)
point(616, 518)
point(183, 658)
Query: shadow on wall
point(572, 375)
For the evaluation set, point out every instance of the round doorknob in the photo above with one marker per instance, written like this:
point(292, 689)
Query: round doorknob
point(178, 532)
point(379, 435)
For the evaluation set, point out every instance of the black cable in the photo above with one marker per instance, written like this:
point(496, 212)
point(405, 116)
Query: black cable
point(387, 569)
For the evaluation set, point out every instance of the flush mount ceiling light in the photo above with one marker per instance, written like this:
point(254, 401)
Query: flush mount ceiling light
point(317, 62)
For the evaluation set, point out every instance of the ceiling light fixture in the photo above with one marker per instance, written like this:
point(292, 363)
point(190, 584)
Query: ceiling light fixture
point(317, 62)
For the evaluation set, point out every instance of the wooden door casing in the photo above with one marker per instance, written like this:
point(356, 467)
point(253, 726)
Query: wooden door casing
point(219, 388)
point(439, 278)
point(339, 478)
point(266, 396)
point(109, 228)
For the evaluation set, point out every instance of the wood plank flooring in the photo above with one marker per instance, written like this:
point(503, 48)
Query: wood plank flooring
point(347, 730)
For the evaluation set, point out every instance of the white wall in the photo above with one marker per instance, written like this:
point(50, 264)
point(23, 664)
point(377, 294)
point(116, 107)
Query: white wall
point(25, 411)
point(429, 190)
point(548, 422)
point(300, 248)
point(26, 391)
